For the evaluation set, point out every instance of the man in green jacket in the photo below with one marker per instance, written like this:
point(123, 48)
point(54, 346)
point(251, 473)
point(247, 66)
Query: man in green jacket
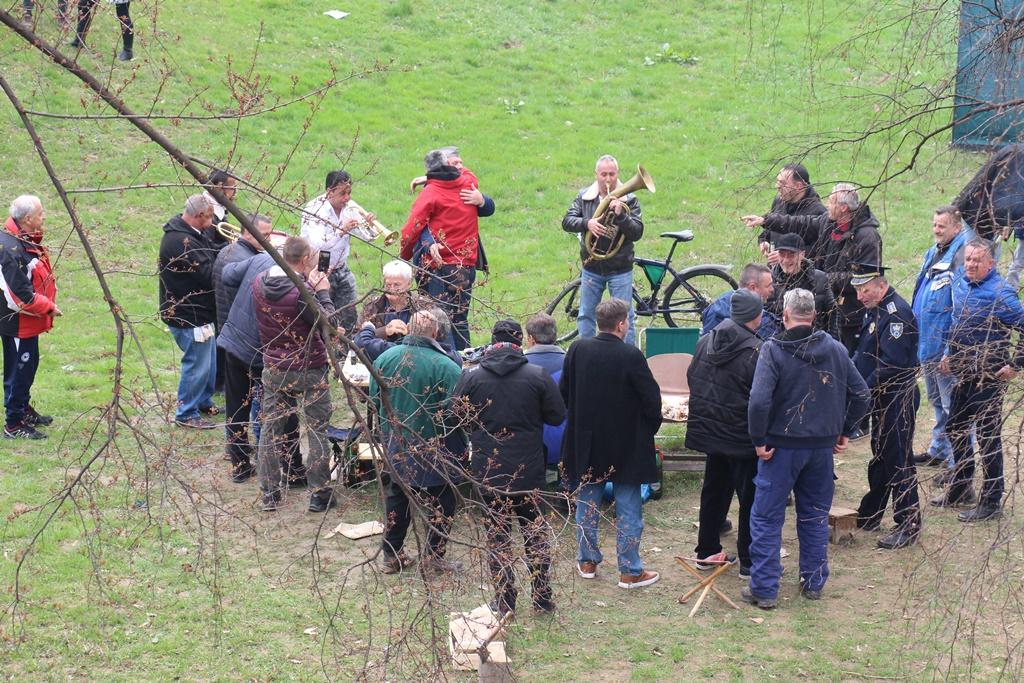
point(419, 378)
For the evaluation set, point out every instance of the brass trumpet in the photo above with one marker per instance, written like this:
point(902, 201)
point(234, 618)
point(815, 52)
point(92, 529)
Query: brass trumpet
point(231, 233)
point(375, 228)
point(603, 215)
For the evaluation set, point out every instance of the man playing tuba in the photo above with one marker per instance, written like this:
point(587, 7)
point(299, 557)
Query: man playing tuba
point(614, 273)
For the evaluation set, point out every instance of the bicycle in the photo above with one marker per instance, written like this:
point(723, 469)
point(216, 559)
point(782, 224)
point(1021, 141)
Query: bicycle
point(691, 291)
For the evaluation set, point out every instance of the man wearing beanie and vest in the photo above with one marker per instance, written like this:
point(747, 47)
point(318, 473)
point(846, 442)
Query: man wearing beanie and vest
point(505, 402)
point(720, 377)
point(805, 400)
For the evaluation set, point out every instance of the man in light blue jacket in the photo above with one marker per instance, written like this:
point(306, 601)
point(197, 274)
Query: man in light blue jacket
point(933, 307)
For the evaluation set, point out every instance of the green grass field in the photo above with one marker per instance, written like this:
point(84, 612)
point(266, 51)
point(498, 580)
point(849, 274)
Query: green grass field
point(161, 569)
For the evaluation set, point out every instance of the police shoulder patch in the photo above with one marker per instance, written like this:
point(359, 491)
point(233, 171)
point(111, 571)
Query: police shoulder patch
point(896, 330)
point(891, 307)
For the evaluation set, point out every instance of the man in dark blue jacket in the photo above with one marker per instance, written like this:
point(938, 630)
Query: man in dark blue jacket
point(886, 358)
point(986, 310)
point(805, 400)
point(758, 279)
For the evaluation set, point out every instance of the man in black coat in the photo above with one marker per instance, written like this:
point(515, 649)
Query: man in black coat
point(614, 412)
point(847, 234)
point(719, 378)
point(188, 307)
point(796, 197)
point(507, 401)
point(794, 271)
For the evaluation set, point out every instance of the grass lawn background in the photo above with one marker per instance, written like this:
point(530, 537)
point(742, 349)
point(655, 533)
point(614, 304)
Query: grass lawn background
point(191, 582)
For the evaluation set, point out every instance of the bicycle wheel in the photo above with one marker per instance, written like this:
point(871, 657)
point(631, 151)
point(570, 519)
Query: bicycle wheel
point(565, 309)
point(689, 294)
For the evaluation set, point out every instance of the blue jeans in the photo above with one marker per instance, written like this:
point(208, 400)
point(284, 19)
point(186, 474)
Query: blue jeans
point(939, 389)
point(629, 525)
point(807, 472)
point(592, 287)
point(198, 372)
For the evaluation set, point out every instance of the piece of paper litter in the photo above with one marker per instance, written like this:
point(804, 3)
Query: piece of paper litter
point(357, 531)
point(336, 14)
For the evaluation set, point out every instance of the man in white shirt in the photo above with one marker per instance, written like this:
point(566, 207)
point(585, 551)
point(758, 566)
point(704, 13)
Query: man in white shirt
point(327, 222)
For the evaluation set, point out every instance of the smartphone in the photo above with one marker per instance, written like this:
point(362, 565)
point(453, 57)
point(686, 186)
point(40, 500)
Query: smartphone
point(325, 261)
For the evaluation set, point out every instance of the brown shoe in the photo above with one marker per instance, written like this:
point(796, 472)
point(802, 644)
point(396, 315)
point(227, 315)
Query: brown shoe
point(395, 565)
point(587, 570)
point(645, 578)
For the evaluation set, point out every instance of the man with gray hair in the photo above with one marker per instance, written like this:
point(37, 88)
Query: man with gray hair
point(805, 401)
point(455, 230)
point(756, 278)
point(188, 307)
point(615, 273)
point(847, 234)
point(27, 309)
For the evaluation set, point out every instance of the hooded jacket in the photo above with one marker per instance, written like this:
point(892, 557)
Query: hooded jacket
point(29, 289)
point(720, 376)
point(452, 223)
point(806, 392)
point(288, 328)
point(240, 335)
point(630, 225)
point(507, 402)
point(834, 250)
point(239, 250)
point(186, 275)
point(809, 205)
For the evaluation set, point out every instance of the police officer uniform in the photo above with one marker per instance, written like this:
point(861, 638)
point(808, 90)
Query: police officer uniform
point(886, 357)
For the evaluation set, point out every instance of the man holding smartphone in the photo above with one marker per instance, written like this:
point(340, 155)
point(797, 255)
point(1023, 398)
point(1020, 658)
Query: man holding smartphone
point(327, 223)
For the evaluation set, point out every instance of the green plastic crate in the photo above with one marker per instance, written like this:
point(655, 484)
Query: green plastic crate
point(659, 340)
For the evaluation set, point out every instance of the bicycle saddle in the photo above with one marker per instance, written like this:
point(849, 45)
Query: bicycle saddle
point(681, 236)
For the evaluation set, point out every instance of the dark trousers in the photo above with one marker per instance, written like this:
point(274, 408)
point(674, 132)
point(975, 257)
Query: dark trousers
point(978, 403)
point(722, 476)
point(21, 360)
point(452, 287)
point(86, 8)
point(891, 470)
point(850, 338)
point(240, 385)
point(501, 558)
point(438, 503)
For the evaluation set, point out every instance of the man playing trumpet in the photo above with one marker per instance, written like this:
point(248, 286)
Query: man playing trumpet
point(327, 223)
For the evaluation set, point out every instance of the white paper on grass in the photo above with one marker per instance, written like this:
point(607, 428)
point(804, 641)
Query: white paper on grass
point(336, 14)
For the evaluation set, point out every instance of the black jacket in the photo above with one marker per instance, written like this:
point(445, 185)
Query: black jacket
point(509, 402)
point(186, 276)
point(630, 225)
point(992, 201)
point(614, 412)
point(814, 281)
point(887, 352)
point(834, 251)
point(720, 376)
point(810, 205)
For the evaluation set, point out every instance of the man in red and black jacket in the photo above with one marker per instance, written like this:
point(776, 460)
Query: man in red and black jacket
point(456, 232)
point(26, 311)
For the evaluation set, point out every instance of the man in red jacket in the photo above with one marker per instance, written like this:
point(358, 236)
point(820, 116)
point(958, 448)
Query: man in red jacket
point(27, 310)
point(453, 225)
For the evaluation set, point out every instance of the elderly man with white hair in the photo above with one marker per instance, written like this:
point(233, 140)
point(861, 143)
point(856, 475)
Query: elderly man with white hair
point(27, 310)
point(188, 307)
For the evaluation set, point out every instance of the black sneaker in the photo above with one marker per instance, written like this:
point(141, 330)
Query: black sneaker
point(982, 512)
point(810, 594)
point(899, 538)
point(194, 423)
point(125, 56)
point(322, 501)
point(243, 472)
point(749, 597)
point(34, 419)
point(744, 573)
point(23, 431)
point(858, 434)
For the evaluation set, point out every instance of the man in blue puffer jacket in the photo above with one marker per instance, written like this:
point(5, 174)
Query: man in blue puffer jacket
point(933, 308)
point(806, 399)
point(986, 310)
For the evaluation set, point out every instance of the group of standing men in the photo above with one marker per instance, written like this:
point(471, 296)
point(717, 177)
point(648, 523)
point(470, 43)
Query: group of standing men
point(957, 329)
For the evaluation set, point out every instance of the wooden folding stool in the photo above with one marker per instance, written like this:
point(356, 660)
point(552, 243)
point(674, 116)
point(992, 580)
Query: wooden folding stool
point(706, 582)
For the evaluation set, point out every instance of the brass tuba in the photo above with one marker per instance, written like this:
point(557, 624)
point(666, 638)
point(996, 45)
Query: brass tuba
point(229, 232)
point(642, 180)
point(375, 229)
